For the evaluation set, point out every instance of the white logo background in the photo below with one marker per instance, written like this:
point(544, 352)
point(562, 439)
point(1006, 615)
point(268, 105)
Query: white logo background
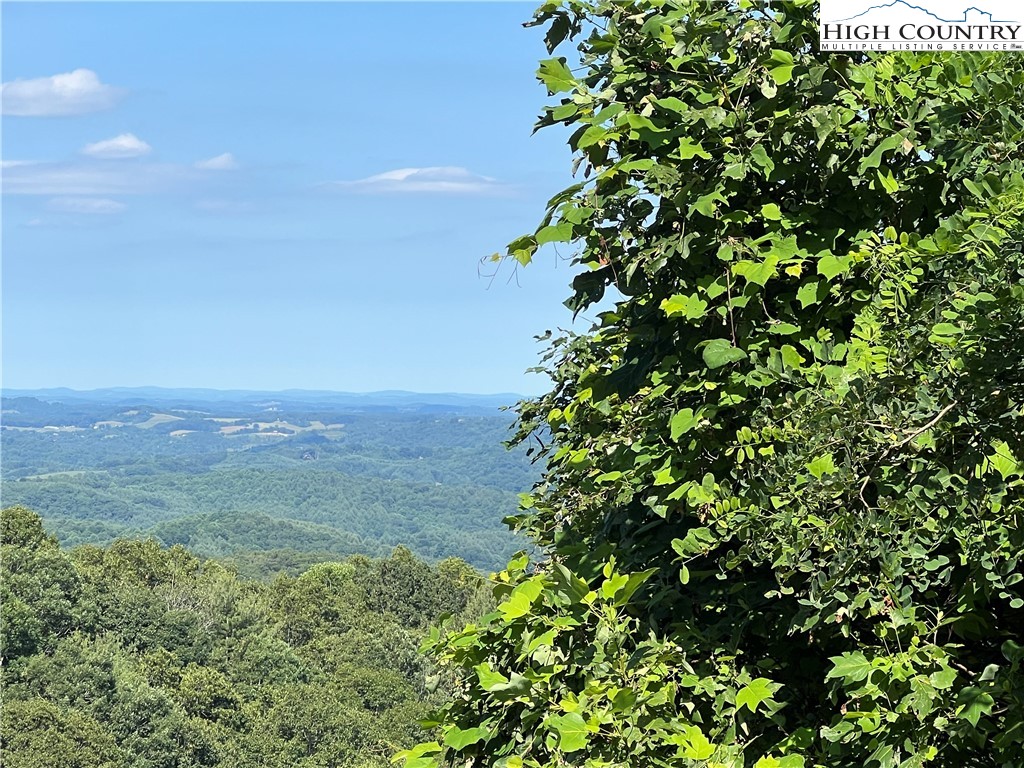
point(903, 18)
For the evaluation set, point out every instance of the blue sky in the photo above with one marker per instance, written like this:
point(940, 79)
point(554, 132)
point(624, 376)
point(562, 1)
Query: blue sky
point(270, 196)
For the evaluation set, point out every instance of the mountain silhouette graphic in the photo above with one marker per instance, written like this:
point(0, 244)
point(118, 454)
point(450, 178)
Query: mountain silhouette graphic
point(910, 6)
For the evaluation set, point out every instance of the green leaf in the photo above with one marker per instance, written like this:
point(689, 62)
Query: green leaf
point(790, 357)
point(830, 265)
point(1004, 462)
point(521, 600)
point(752, 695)
point(735, 171)
point(690, 149)
point(692, 307)
point(888, 181)
point(771, 212)
point(807, 294)
point(851, 666)
point(705, 204)
point(633, 583)
point(759, 272)
point(762, 161)
point(673, 104)
point(781, 74)
point(489, 679)
point(719, 352)
point(823, 465)
point(612, 585)
point(517, 685)
point(555, 233)
point(460, 738)
point(665, 476)
point(415, 757)
point(874, 160)
point(573, 734)
point(696, 745)
point(558, 31)
point(573, 587)
point(697, 540)
point(556, 76)
point(975, 189)
point(542, 640)
point(522, 249)
point(592, 135)
point(789, 761)
point(682, 422)
point(972, 703)
point(943, 678)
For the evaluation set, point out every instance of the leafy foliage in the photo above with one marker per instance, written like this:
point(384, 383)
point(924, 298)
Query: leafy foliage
point(782, 503)
point(140, 655)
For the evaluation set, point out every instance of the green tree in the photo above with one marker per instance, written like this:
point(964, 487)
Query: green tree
point(40, 734)
point(39, 588)
point(146, 656)
point(782, 500)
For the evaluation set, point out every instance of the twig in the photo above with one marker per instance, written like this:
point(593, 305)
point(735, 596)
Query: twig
point(728, 287)
point(900, 444)
point(926, 427)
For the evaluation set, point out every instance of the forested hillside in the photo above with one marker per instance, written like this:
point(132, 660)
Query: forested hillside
point(140, 655)
point(287, 477)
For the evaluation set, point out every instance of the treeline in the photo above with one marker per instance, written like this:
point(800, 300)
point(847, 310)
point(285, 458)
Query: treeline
point(212, 512)
point(145, 656)
point(439, 483)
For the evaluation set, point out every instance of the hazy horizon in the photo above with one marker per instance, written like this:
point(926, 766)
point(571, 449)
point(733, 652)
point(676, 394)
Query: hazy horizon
point(256, 391)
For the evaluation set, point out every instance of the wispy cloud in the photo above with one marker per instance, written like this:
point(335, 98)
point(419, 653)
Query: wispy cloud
point(89, 205)
point(71, 93)
point(445, 180)
point(94, 179)
point(225, 162)
point(120, 147)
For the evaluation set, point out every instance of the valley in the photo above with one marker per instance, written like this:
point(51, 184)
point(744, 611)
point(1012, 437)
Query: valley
point(298, 476)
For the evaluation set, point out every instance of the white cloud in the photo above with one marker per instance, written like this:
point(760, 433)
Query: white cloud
point(434, 180)
point(90, 205)
point(123, 146)
point(70, 93)
point(225, 162)
point(94, 179)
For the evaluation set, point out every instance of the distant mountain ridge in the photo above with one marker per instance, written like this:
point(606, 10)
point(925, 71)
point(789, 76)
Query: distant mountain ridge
point(386, 398)
point(897, 5)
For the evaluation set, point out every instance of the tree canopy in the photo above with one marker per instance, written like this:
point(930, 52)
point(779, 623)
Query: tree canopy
point(142, 656)
point(781, 509)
